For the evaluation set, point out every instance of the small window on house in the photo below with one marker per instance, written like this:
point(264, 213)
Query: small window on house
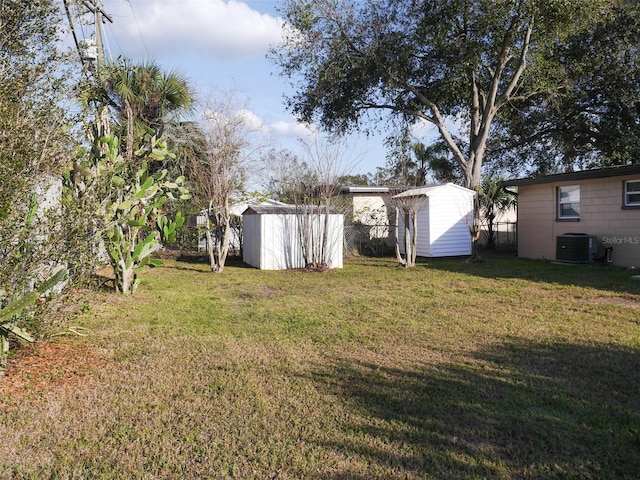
point(632, 193)
point(569, 202)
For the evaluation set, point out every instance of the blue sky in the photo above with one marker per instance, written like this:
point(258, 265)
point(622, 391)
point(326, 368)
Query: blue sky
point(222, 45)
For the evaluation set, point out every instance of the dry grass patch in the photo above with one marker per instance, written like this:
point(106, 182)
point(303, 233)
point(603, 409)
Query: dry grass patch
point(625, 301)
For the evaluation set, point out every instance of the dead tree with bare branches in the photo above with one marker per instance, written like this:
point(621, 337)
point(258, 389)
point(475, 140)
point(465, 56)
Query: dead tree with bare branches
point(219, 169)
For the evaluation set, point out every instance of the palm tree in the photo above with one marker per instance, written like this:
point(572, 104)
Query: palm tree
point(142, 97)
point(493, 201)
point(437, 159)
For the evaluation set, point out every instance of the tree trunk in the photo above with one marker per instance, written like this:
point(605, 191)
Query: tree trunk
point(324, 248)
point(407, 239)
point(414, 238)
point(210, 246)
point(125, 277)
point(130, 131)
point(222, 249)
point(491, 239)
point(396, 230)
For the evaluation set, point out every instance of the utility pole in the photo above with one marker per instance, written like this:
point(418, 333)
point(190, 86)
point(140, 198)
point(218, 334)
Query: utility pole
point(85, 49)
point(99, 15)
point(91, 50)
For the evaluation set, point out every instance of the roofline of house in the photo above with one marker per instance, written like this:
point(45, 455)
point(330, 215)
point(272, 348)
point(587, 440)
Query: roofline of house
point(347, 189)
point(363, 189)
point(573, 176)
point(425, 191)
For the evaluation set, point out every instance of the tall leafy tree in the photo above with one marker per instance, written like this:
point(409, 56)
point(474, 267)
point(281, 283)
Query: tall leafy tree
point(34, 143)
point(419, 164)
point(33, 135)
point(594, 120)
point(426, 60)
point(436, 159)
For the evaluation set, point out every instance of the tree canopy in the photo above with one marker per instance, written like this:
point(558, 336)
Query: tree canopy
point(594, 120)
point(428, 61)
point(32, 139)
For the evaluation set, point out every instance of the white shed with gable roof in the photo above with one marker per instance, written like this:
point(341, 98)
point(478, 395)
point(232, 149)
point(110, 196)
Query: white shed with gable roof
point(444, 220)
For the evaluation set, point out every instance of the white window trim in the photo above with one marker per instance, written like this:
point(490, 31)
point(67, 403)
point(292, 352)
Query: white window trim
point(626, 194)
point(559, 203)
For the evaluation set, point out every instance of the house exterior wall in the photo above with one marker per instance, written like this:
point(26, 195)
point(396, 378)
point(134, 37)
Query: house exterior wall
point(372, 209)
point(364, 204)
point(601, 214)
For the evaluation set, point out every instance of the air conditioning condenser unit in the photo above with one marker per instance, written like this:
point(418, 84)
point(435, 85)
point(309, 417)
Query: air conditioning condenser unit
point(576, 247)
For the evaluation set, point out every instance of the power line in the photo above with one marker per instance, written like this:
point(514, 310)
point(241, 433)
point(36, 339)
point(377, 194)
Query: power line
point(89, 52)
point(135, 17)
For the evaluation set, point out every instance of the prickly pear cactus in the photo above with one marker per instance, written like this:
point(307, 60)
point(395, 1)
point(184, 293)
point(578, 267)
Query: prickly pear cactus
point(137, 227)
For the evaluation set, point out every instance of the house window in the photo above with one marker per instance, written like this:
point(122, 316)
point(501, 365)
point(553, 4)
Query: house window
point(632, 193)
point(569, 202)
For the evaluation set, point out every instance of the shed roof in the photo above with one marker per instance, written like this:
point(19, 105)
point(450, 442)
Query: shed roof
point(575, 176)
point(286, 210)
point(428, 191)
point(240, 207)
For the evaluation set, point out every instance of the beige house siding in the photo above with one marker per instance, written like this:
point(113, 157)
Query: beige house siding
point(372, 208)
point(601, 214)
point(369, 203)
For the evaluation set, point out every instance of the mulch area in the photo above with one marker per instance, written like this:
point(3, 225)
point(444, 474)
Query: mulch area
point(46, 365)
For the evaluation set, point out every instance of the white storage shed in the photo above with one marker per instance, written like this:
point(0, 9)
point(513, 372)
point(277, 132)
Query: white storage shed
point(445, 216)
point(273, 239)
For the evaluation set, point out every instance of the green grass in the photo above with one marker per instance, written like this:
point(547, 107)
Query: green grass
point(503, 369)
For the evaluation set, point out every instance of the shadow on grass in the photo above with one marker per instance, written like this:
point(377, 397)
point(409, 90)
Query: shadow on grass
point(194, 261)
point(519, 410)
point(596, 275)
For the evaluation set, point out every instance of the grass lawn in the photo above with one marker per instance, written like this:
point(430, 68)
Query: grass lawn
point(504, 369)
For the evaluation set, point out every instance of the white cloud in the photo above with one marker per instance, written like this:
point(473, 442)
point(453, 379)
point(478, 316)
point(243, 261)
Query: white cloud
point(280, 129)
point(293, 130)
point(422, 129)
point(252, 121)
point(222, 29)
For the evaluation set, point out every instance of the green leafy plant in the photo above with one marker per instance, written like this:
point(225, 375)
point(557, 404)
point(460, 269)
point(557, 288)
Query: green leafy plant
point(136, 226)
point(10, 313)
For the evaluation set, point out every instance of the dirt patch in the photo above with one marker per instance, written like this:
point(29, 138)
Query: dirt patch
point(46, 365)
point(620, 301)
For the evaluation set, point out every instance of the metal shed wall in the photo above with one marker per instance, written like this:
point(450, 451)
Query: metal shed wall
point(272, 240)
